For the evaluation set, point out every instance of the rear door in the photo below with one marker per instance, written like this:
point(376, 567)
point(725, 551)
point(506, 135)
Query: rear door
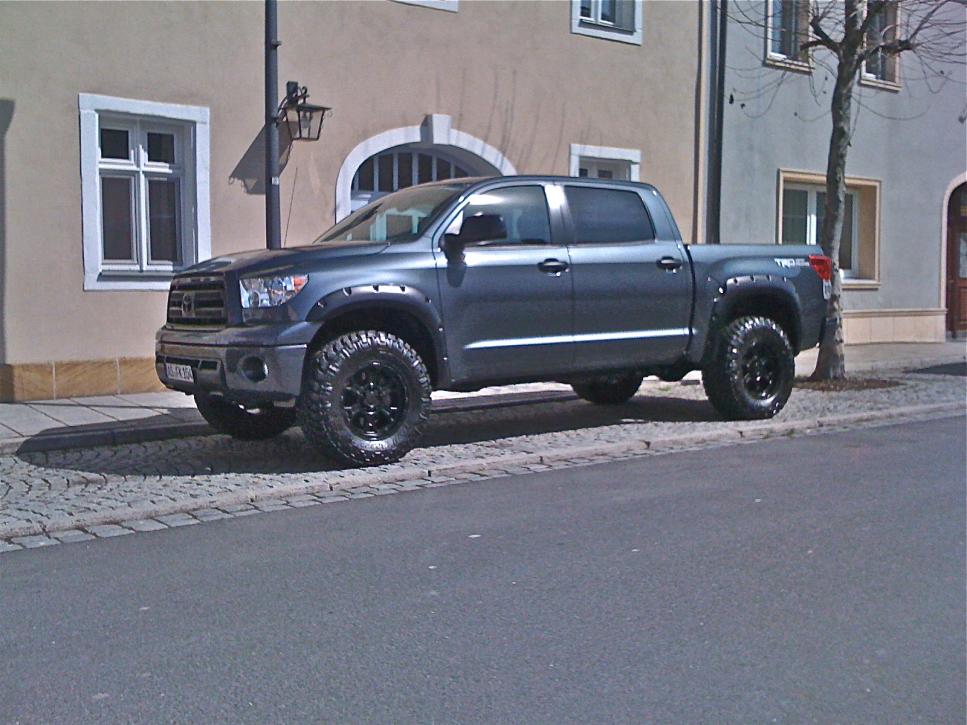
point(632, 291)
point(507, 300)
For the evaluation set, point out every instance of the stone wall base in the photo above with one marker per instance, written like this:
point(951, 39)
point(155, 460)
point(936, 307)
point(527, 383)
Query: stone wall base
point(913, 325)
point(75, 378)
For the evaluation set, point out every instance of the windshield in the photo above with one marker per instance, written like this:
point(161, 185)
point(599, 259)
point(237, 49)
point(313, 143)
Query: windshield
point(398, 217)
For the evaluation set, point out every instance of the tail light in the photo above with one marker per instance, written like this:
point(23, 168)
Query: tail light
point(822, 265)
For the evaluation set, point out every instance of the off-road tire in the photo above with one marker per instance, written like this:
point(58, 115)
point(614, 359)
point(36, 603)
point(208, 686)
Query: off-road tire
point(331, 378)
point(610, 389)
point(751, 370)
point(242, 423)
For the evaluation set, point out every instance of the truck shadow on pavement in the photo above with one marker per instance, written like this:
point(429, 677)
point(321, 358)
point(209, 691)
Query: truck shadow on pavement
point(208, 455)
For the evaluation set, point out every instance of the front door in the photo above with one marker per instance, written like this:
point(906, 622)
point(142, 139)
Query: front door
point(957, 261)
point(506, 288)
point(632, 292)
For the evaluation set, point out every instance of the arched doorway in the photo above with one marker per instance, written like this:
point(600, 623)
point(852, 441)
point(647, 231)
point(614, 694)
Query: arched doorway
point(410, 164)
point(957, 261)
point(435, 139)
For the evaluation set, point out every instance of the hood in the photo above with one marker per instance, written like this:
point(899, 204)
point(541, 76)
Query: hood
point(268, 260)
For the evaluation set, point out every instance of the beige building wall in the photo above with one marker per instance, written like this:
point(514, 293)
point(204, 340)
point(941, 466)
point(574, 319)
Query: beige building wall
point(509, 73)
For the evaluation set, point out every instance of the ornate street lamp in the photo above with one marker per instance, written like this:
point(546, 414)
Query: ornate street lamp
point(303, 119)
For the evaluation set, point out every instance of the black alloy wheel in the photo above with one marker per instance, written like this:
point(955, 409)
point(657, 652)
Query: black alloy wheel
point(374, 401)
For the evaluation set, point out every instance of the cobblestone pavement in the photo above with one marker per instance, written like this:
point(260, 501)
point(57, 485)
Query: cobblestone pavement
point(74, 495)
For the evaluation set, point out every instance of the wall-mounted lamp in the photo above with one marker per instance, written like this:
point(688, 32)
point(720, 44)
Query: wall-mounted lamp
point(303, 119)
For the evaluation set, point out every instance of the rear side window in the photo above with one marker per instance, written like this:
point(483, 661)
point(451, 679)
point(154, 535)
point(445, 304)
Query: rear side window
point(608, 215)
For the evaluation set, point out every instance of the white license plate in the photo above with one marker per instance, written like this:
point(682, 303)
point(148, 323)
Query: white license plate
point(179, 373)
point(827, 289)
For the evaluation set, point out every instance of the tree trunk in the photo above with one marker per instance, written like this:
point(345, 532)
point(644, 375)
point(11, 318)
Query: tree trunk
point(831, 363)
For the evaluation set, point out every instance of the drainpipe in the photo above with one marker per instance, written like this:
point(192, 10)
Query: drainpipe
point(719, 27)
point(273, 224)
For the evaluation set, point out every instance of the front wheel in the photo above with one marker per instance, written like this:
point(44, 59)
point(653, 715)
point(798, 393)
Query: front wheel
point(365, 398)
point(752, 369)
point(610, 389)
point(246, 424)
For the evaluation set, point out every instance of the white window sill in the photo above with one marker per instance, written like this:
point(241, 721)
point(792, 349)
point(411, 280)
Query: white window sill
point(784, 62)
point(607, 32)
point(115, 282)
point(452, 6)
point(874, 82)
point(856, 283)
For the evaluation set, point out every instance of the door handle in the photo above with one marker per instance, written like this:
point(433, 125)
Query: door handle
point(669, 264)
point(552, 266)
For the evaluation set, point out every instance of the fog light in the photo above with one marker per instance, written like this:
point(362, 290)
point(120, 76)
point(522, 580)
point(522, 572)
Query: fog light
point(255, 369)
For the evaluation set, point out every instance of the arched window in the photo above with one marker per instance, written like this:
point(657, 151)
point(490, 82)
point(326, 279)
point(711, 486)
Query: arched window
point(403, 166)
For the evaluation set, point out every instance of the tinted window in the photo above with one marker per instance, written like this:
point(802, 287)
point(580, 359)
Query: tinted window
point(607, 215)
point(516, 215)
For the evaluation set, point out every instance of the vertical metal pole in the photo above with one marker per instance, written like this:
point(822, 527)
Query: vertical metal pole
point(714, 226)
point(273, 224)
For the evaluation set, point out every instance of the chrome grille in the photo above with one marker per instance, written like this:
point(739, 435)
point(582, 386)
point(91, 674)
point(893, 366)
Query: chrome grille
point(197, 300)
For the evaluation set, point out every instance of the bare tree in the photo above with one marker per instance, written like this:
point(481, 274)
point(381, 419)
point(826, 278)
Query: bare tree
point(849, 37)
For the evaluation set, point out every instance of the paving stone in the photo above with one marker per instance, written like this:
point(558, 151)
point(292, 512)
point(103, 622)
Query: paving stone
point(71, 536)
point(271, 505)
point(302, 501)
point(144, 525)
point(8, 546)
point(106, 531)
point(177, 520)
point(34, 542)
point(209, 514)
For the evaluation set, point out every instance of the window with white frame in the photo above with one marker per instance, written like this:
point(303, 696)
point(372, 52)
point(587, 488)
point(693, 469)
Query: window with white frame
point(605, 162)
point(611, 19)
point(788, 29)
point(399, 168)
point(604, 169)
point(803, 209)
point(144, 191)
point(882, 66)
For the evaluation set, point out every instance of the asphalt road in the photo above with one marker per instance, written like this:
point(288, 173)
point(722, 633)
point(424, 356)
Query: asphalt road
point(819, 579)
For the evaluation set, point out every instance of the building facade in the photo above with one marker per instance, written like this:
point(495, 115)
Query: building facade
point(131, 140)
point(904, 168)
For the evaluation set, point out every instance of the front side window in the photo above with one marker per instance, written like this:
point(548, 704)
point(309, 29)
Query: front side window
point(398, 217)
point(513, 215)
point(144, 191)
point(803, 209)
point(788, 29)
point(607, 216)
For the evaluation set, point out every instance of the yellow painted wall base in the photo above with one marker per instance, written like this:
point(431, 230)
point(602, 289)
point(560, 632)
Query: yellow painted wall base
point(918, 325)
point(74, 378)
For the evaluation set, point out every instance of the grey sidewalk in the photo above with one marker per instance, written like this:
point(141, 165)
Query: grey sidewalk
point(114, 419)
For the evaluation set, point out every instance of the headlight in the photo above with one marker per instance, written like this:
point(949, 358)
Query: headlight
point(270, 291)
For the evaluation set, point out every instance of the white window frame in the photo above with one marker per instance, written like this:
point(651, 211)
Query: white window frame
point(781, 58)
point(872, 79)
point(597, 28)
point(812, 227)
point(191, 125)
point(448, 5)
point(592, 154)
point(361, 197)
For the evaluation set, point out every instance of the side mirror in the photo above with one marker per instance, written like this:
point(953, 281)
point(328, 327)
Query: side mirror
point(453, 247)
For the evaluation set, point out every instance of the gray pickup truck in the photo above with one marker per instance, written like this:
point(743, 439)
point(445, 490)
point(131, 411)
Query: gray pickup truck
point(467, 283)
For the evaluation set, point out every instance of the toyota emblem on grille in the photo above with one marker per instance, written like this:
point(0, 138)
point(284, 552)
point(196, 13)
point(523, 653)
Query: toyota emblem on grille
point(188, 304)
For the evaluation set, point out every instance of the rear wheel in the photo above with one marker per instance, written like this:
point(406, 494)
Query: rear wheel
point(365, 399)
point(247, 424)
point(752, 369)
point(609, 389)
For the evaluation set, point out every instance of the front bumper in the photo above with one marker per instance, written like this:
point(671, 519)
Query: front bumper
point(245, 373)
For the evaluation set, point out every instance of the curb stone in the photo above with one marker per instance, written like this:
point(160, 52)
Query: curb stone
point(404, 478)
